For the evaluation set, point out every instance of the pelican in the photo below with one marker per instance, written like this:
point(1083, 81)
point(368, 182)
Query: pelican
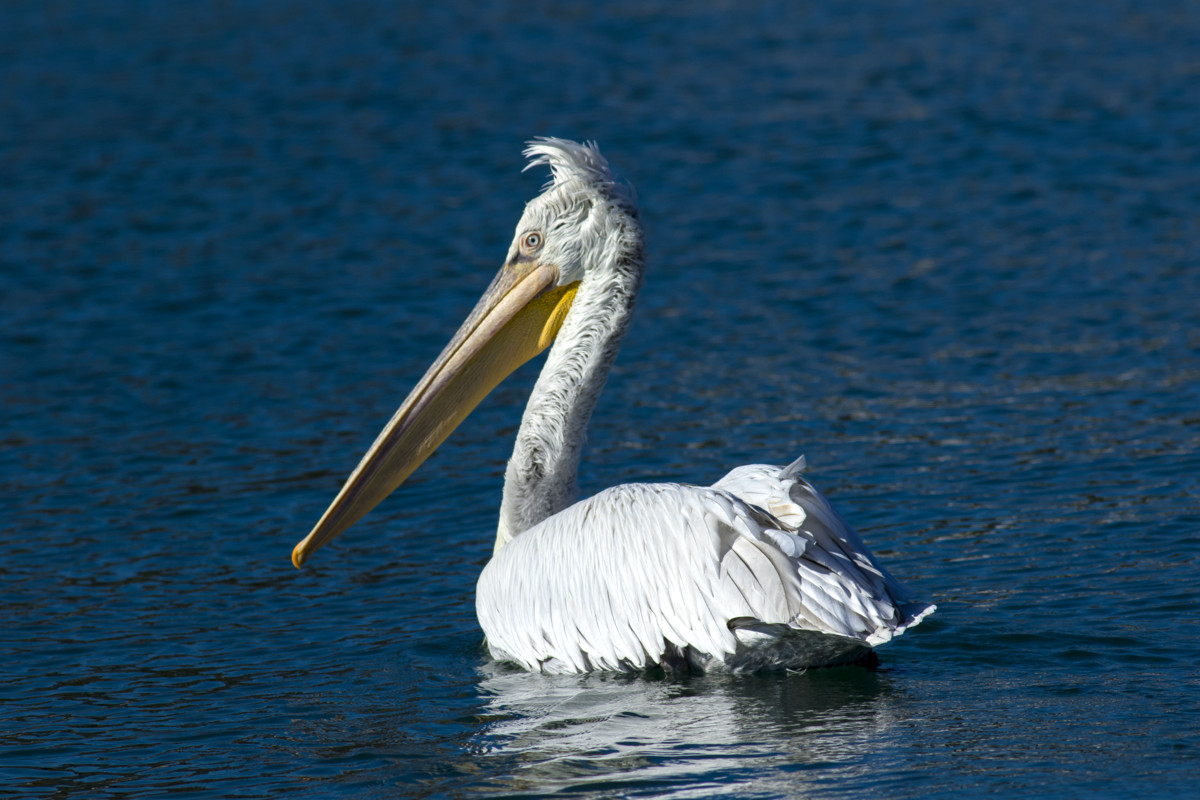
point(757, 571)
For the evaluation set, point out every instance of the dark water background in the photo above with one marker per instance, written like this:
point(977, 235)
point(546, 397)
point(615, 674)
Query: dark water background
point(947, 250)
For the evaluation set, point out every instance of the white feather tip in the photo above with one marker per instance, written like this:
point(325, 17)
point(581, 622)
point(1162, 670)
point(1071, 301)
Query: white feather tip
point(795, 468)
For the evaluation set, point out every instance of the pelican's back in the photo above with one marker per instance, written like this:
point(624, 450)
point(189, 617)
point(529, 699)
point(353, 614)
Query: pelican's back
point(757, 571)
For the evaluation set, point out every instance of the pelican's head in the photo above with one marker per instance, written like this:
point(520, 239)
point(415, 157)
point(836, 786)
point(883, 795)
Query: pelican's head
point(569, 234)
point(583, 216)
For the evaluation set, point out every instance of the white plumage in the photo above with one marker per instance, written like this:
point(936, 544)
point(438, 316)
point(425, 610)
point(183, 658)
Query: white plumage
point(756, 571)
point(696, 577)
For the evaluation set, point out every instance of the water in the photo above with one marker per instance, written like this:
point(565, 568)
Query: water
point(949, 252)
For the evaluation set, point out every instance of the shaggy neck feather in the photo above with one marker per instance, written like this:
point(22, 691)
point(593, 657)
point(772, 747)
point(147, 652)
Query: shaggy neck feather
point(541, 478)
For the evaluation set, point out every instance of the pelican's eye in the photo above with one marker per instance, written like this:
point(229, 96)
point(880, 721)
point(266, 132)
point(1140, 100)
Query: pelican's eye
point(531, 242)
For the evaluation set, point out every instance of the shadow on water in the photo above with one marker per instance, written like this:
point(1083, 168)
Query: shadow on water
point(621, 734)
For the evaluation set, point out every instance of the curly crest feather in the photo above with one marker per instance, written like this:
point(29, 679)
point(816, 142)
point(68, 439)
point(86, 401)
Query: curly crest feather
point(574, 161)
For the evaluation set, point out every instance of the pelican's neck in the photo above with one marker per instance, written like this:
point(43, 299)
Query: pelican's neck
point(541, 477)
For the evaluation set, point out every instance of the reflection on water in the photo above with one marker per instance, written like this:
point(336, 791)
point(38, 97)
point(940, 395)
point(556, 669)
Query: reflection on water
point(618, 732)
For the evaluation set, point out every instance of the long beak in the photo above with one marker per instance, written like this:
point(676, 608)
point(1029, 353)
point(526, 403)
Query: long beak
point(517, 318)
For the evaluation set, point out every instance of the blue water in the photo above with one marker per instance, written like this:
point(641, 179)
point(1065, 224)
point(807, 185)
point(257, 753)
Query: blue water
point(949, 251)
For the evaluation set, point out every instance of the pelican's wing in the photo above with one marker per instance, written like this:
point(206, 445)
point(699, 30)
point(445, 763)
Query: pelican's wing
point(836, 558)
point(646, 574)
